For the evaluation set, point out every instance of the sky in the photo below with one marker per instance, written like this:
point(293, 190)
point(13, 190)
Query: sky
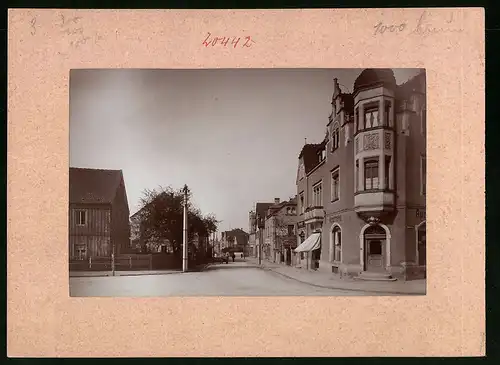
point(232, 135)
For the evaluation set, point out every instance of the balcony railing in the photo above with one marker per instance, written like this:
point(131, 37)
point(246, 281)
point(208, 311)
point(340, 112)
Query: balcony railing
point(374, 201)
point(314, 214)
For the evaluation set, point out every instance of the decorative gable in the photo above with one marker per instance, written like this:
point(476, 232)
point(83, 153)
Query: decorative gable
point(301, 172)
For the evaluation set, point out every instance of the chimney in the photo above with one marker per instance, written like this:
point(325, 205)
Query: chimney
point(276, 200)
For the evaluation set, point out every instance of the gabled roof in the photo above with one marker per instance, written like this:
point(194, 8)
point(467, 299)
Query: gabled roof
point(93, 186)
point(414, 85)
point(310, 155)
point(239, 235)
point(261, 209)
point(275, 208)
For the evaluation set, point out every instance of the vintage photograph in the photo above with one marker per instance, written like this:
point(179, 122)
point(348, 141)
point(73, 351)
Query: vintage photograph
point(247, 182)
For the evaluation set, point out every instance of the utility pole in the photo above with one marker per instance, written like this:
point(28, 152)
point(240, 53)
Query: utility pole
point(113, 259)
point(259, 252)
point(185, 233)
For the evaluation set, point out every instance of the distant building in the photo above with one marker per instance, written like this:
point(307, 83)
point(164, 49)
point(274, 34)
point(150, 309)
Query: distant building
point(141, 245)
point(252, 233)
point(280, 224)
point(98, 213)
point(259, 224)
point(235, 240)
point(361, 190)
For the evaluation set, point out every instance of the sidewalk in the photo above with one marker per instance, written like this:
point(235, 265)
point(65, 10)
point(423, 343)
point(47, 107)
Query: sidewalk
point(82, 274)
point(326, 280)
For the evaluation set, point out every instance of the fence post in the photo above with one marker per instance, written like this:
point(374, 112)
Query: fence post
point(130, 261)
point(90, 262)
point(113, 263)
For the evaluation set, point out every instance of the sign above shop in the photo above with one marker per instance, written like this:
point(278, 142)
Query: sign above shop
point(335, 218)
point(420, 213)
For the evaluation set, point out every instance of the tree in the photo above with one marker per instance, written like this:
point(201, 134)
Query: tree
point(161, 218)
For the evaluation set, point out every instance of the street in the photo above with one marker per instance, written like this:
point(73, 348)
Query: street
point(233, 279)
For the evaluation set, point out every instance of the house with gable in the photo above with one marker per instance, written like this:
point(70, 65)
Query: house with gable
point(98, 213)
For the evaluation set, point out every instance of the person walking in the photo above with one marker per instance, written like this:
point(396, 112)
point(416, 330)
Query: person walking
point(234, 256)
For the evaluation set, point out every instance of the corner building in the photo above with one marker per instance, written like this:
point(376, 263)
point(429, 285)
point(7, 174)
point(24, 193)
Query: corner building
point(361, 191)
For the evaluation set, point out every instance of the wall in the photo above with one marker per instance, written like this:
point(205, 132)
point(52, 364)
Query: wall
point(95, 234)
point(341, 211)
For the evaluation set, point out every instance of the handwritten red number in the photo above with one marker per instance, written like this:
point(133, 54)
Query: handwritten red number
point(205, 43)
point(235, 43)
point(248, 40)
point(225, 40)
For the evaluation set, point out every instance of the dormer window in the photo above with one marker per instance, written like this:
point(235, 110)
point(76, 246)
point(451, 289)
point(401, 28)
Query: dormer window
point(322, 155)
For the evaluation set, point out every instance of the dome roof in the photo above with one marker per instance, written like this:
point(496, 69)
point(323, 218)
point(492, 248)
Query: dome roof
point(372, 76)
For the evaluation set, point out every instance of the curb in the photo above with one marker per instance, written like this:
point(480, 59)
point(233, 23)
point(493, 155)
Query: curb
point(141, 274)
point(110, 275)
point(336, 288)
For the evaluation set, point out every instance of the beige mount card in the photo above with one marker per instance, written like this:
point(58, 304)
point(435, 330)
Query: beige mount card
point(45, 44)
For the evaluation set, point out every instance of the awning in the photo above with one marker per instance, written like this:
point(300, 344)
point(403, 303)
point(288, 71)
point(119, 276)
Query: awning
point(311, 243)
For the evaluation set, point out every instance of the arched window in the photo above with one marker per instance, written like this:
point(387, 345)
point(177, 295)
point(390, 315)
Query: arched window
point(375, 230)
point(337, 244)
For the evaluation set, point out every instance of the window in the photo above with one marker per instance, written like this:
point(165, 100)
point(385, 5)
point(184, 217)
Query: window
point(81, 217)
point(335, 185)
point(335, 138)
point(387, 172)
point(414, 103)
point(302, 203)
point(356, 120)
point(81, 253)
point(371, 118)
point(291, 230)
point(356, 177)
point(371, 175)
point(322, 155)
point(387, 113)
point(318, 195)
point(423, 121)
point(423, 175)
point(337, 244)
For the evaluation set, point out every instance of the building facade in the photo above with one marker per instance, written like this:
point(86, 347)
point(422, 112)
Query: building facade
point(235, 240)
point(361, 191)
point(280, 230)
point(252, 233)
point(98, 213)
point(261, 249)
